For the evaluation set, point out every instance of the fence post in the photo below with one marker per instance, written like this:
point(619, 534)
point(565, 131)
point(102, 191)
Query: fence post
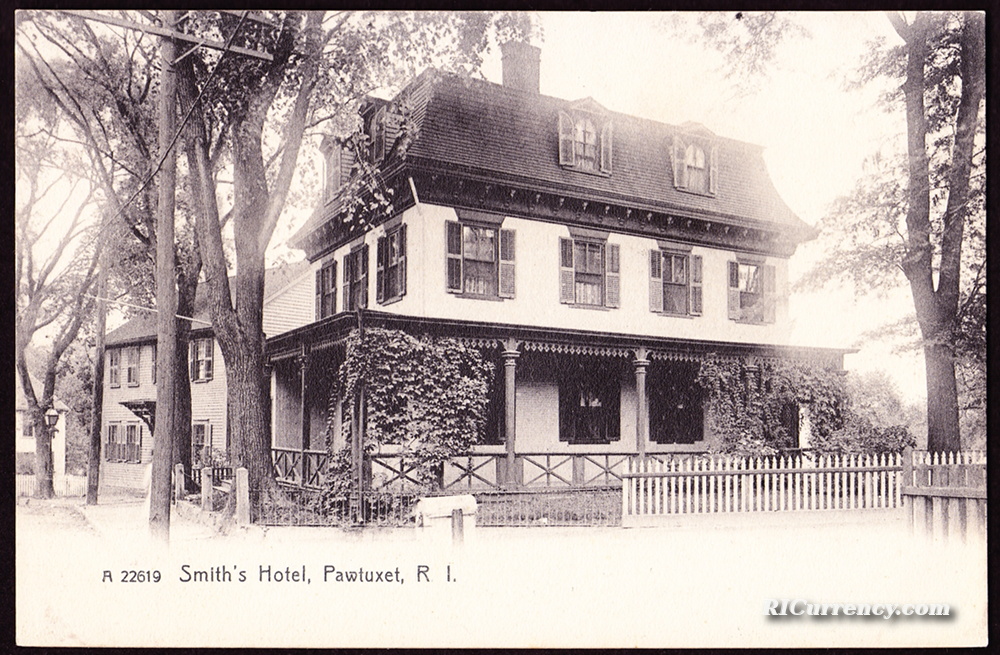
point(457, 526)
point(206, 489)
point(178, 482)
point(242, 490)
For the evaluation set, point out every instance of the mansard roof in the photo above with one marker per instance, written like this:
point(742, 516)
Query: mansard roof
point(474, 128)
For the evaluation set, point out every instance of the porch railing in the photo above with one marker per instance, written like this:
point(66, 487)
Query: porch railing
point(300, 468)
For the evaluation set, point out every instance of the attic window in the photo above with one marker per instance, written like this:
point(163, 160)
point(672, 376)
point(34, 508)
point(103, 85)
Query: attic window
point(585, 142)
point(696, 164)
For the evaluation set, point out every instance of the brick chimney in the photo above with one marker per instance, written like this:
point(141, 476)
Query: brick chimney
point(520, 65)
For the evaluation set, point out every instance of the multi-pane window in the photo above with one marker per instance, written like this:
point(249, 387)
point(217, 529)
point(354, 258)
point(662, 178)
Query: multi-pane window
point(326, 290)
point(27, 426)
point(696, 165)
point(589, 403)
point(589, 273)
point(674, 283)
point(200, 357)
point(390, 276)
point(480, 260)
point(751, 292)
point(132, 367)
point(356, 279)
point(585, 142)
point(114, 367)
point(201, 443)
point(375, 131)
point(333, 173)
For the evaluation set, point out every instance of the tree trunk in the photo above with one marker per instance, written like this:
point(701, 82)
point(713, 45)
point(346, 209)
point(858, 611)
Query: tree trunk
point(182, 400)
point(249, 399)
point(166, 298)
point(97, 395)
point(942, 400)
point(43, 454)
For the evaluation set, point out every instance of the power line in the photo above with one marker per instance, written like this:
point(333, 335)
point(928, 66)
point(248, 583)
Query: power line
point(147, 309)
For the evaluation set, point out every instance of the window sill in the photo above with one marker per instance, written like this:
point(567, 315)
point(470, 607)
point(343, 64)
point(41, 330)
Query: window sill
point(201, 380)
point(586, 171)
point(743, 321)
point(115, 386)
point(475, 296)
point(599, 308)
point(694, 192)
point(670, 315)
point(391, 301)
point(133, 384)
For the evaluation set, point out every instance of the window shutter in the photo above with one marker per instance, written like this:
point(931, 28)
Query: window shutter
point(193, 359)
point(350, 271)
point(606, 148)
point(680, 168)
point(506, 286)
point(319, 294)
point(613, 281)
point(378, 136)
point(209, 347)
point(769, 293)
point(381, 261)
point(713, 172)
point(696, 285)
point(566, 274)
point(402, 260)
point(453, 252)
point(346, 164)
point(566, 157)
point(331, 289)
point(734, 291)
point(655, 281)
point(364, 275)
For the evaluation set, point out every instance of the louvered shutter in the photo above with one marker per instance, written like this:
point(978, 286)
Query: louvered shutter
point(696, 285)
point(381, 261)
point(713, 171)
point(655, 281)
point(364, 275)
point(566, 156)
point(193, 360)
point(319, 294)
point(606, 146)
point(350, 271)
point(734, 291)
point(346, 164)
point(680, 167)
point(453, 253)
point(612, 296)
point(210, 358)
point(566, 274)
point(506, 285)
point(769, 298)
point(402, 260)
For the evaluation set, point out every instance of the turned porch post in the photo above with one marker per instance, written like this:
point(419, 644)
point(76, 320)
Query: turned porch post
point(642, 414)
point(303, 362)
point(510, 355)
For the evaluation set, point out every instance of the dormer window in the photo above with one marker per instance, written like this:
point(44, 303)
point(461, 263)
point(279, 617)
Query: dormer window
point(375, 131)
point(333, 176)
point(696, 164)
point(585, 142)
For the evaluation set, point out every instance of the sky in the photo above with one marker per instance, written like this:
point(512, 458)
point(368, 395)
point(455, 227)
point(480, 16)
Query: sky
point(815, 134)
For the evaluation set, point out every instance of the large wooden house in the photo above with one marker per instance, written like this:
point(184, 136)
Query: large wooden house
point(595, 257)
point(128, 417)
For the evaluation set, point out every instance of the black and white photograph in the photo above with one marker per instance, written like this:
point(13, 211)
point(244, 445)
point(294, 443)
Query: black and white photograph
point(364, 328)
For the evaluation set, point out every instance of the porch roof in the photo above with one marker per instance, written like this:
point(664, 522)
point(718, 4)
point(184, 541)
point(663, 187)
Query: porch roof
point(335, 329)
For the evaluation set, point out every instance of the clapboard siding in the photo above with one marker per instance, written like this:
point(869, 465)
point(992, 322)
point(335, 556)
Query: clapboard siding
point(292, 307)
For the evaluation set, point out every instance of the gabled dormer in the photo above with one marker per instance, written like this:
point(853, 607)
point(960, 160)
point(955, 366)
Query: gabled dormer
point(695, 159)
point(585, 134)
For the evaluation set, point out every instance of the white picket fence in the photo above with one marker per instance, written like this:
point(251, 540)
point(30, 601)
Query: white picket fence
point(654, 486)
point(72, 485)
point(944, 494)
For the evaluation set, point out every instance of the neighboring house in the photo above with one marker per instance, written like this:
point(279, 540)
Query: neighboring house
point(596, 258)
point(24, 437)
point(128, 416)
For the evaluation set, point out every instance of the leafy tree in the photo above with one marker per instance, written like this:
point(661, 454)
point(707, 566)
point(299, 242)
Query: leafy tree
point(257, 113)
point(921, 214)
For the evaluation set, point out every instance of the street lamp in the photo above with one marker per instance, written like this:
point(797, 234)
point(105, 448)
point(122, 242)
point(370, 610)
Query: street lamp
point(52, 419)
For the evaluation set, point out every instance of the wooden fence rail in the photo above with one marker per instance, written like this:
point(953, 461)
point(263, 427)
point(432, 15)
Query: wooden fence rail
point(944, 494)
point(721, 484)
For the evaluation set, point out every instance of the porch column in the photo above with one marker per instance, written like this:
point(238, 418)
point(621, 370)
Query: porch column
point(642, 415)
point(510, 355)
point(303, 361)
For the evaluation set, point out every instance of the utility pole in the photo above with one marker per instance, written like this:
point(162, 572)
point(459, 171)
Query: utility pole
point(166, 292)
point(97, 394)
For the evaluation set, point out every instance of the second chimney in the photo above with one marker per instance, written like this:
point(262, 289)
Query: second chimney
point(520, 66)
